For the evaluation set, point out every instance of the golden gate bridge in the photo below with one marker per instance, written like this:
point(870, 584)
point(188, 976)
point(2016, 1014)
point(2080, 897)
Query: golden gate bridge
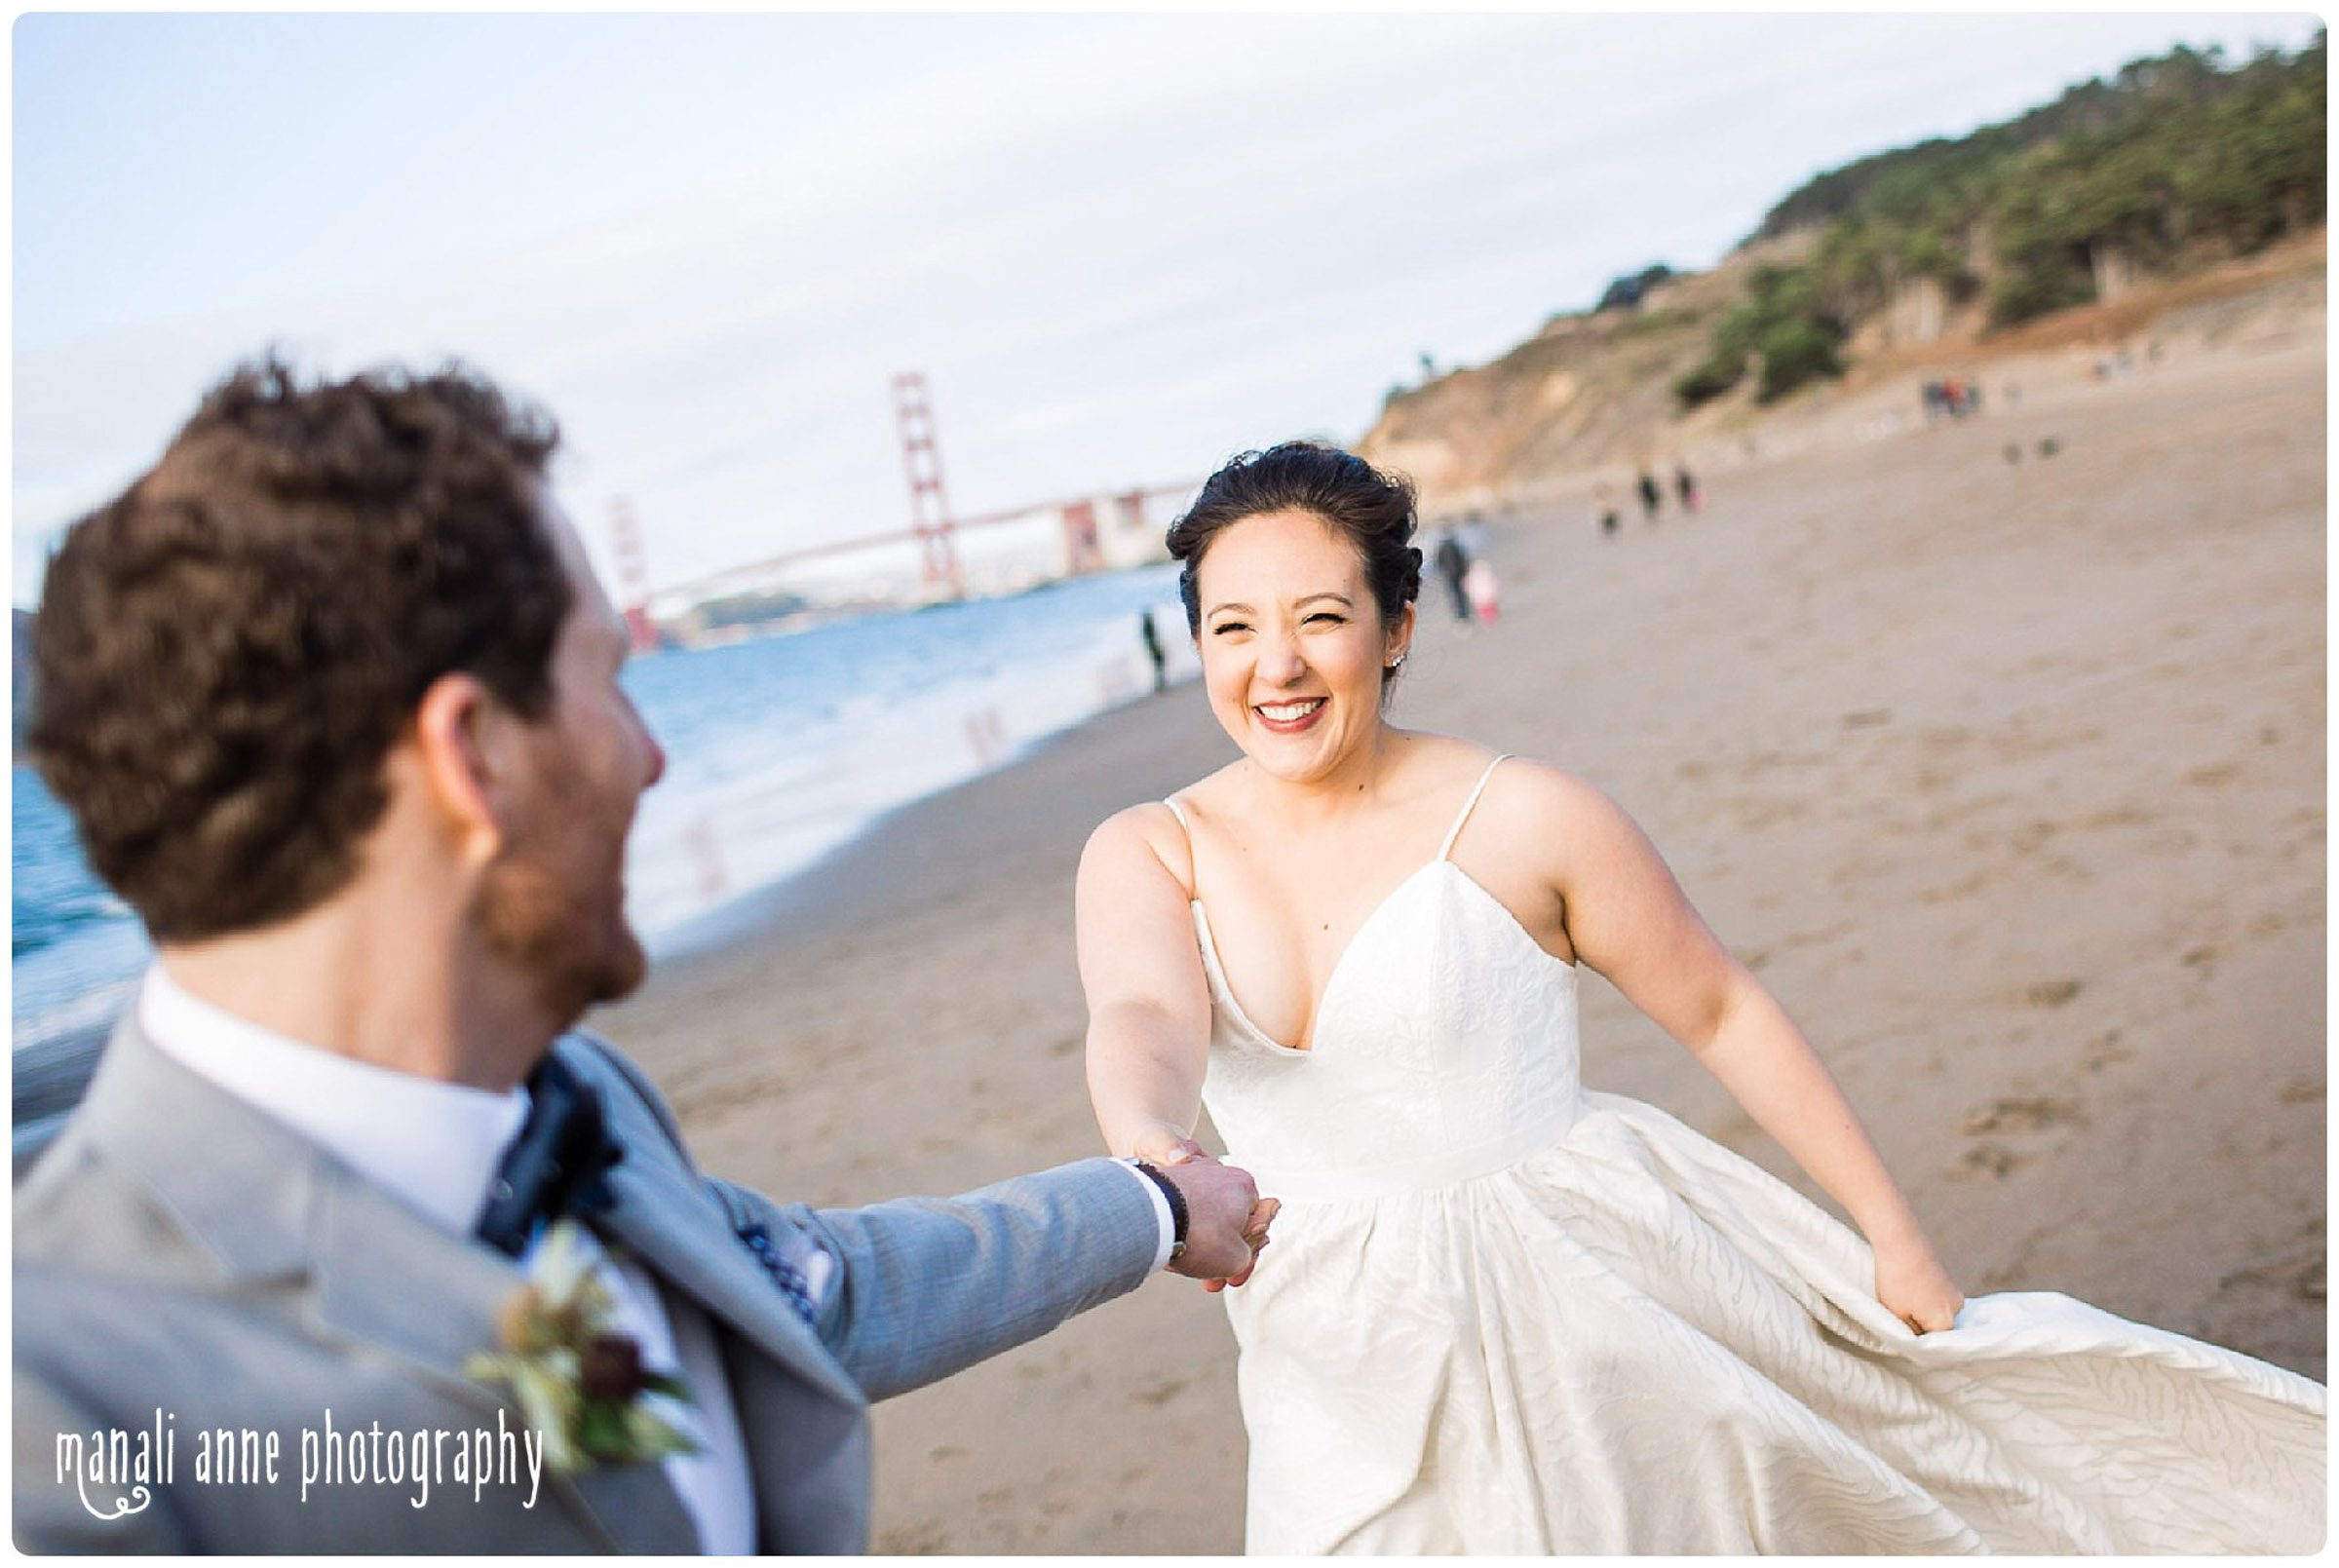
point(1088, 524)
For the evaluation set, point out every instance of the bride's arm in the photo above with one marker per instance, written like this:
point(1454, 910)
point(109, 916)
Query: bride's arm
point(1627, 918)
point(1149, 1003)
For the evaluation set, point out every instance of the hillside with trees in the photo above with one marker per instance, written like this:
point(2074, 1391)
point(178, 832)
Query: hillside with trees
point(2176, 167)
point(2178, 161)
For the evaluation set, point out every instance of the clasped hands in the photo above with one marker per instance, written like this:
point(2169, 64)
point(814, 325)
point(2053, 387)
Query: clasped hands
point(1226, 1218)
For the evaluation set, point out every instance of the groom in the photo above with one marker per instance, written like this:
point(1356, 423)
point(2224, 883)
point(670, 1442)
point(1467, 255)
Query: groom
point(352, 1245)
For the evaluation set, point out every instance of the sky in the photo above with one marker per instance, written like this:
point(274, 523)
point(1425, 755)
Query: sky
point(1121, 248)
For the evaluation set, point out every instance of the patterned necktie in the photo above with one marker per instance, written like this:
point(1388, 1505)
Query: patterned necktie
point(556, 1165)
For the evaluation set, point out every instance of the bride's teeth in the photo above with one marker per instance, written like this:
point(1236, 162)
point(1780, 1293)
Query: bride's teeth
point(1284, 713)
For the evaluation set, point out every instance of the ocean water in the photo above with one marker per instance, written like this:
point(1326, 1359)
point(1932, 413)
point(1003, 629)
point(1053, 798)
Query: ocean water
point(779, 751)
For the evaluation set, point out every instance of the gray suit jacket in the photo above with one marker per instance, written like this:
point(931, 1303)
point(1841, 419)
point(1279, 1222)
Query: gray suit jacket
point(183, 1259)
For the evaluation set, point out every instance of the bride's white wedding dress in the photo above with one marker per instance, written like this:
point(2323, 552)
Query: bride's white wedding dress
point(1505, 1313)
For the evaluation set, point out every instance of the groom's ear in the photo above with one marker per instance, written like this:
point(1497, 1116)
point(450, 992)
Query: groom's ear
point(467, 755)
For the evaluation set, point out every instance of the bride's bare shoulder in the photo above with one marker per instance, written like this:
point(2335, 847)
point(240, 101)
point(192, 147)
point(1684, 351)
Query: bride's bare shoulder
point(1545, 796)
point(1441, 761)
point(1152, 827)
point(1210, 797)
point(1149, 824)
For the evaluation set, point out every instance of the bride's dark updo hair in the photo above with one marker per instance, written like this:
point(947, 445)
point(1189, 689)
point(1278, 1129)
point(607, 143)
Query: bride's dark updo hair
point(1371, 510)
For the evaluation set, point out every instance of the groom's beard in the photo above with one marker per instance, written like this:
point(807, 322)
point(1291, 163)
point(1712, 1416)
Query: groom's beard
point(554, 911)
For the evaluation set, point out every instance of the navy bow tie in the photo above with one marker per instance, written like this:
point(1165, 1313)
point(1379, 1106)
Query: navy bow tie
point(556, 1165)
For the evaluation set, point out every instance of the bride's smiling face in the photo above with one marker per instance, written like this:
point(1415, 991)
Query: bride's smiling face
point(1292, 644)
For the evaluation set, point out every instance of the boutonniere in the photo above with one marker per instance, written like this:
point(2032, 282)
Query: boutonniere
point(580, 1381)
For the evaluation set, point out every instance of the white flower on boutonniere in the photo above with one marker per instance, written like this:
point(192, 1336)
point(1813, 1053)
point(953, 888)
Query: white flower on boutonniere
point(580, 1381)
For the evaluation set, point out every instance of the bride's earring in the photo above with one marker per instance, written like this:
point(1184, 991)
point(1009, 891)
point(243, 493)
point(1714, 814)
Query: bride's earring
point(1395, 664)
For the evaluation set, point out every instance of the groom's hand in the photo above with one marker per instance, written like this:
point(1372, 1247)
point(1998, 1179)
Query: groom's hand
point(1220, 1200)
point(1263, 1215)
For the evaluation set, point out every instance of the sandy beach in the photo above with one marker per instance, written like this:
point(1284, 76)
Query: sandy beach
point(2007, 777)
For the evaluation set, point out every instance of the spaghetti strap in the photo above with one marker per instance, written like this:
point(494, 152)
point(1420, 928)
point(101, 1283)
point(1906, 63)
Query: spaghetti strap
point(1193, 887)
point(1454, 833)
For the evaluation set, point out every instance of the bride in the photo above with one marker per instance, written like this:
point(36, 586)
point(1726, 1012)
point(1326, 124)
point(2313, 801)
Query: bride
point(1506, 1313)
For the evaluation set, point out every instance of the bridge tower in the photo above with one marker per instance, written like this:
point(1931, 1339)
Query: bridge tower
point(1083, 551)
point(633, 575)
point(929, 506)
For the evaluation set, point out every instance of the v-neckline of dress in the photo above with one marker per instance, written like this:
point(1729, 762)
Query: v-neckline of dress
point(1216, 968)
point(1242, 1015)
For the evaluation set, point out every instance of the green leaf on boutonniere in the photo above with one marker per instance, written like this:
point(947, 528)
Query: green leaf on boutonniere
point(601, 1431)
point(579, 1379)
point(652, 1438)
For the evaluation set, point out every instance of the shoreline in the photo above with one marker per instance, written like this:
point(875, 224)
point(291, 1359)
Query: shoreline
point(813, 894)
point(2007, 777)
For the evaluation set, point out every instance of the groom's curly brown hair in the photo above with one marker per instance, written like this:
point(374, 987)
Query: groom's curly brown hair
point(227, 651)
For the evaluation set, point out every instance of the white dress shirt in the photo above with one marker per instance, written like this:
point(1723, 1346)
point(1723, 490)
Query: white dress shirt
point(436, 1146)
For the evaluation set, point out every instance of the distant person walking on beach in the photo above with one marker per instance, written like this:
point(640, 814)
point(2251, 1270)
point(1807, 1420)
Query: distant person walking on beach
point(1454, 565)
point(1511, 1313)
point(1686, 486)
point(1651, 498)
point(1151, 634)
point(1473, 534)
point(344, 1160)
point(1603, 499)
point(1485, 593)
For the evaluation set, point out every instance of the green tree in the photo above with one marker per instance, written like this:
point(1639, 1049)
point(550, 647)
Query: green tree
point(2179, 158)
point(1795, 353)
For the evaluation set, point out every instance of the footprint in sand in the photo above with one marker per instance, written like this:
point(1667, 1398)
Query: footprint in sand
point(2299, 1273)
point(1814, 938)
point(922, 1540)
point(2051, 993)
point(1161, 1393)
point(2108, 1050)
point(2028, 838)
point(1991, 1160)
point(2022, 1116)
point(2008, 1115)
point(1965, 888)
